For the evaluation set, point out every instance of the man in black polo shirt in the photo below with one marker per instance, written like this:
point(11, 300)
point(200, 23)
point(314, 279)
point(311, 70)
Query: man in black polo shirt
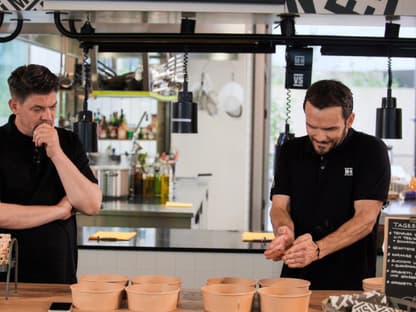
point(327, 195)
point(44, 178)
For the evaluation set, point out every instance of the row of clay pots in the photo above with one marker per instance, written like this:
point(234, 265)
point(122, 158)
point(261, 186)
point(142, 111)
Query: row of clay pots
point(237, 297)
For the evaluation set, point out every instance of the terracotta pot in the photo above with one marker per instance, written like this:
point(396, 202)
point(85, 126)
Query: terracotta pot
point(285, 281)
point(281, 298)
point(152, 297)
point(227, 297)
point(157, 279)
point(96, 296)
point(106, 278)
point(231, 280)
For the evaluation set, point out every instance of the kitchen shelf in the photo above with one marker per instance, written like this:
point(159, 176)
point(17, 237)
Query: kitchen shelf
point(121, 93)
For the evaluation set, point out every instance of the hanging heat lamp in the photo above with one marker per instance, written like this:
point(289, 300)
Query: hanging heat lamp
point(389, 117)
point(85, 127)
point(185, 111)
point(298, 76)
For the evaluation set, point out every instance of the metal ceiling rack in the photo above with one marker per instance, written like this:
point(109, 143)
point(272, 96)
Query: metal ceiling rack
point(239, 43)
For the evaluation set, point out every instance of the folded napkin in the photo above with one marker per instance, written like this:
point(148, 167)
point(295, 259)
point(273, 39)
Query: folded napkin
point(170, 204)
point(112, 236)
point(257, 236)
point(371, 301)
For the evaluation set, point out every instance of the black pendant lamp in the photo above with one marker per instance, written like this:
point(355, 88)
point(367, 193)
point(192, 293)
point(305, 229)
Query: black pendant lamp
point(86, 128)
point(185, 111)
point(389, 117)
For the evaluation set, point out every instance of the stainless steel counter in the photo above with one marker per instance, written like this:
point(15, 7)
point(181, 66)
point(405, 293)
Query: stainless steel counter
point(399, 208)
point(148, 212)
point(164, 239)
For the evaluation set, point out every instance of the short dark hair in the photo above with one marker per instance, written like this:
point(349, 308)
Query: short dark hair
point(330, 93)
point(32, 79)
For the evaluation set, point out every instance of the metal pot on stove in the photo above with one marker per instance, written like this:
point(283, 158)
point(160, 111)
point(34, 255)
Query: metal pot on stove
point(114, 182)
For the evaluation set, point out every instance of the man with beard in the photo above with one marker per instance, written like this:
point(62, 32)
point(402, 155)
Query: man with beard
point(44, 179)
point(328, 191)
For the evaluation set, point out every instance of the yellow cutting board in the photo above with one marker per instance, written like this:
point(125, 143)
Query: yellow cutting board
point(257, 236)
point(112, 236)
point(170, 204)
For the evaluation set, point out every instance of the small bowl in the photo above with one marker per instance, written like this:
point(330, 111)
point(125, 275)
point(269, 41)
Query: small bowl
point(373, 283)
point(228, 297)
point(231, 280)
point(281, 298)
point(152, 297)
point(105, 278)
point(96, 296)
point(158, 279)
point(285, 281)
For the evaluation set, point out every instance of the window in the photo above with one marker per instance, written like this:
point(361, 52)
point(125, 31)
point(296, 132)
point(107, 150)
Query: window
point(366, 76)
point(16, 53)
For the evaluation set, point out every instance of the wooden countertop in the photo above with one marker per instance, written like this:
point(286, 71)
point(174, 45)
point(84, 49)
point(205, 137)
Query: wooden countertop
point(38, 297)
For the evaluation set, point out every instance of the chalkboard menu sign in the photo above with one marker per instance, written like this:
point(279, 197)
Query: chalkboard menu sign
point(400, 257)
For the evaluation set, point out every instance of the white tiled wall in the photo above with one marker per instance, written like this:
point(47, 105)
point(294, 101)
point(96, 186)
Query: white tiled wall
point(193, 267)
point(123, 146)
point(133, 108)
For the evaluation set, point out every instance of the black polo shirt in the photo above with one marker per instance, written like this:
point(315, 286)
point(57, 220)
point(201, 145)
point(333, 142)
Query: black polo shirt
point(322, 190)
point(47, 253)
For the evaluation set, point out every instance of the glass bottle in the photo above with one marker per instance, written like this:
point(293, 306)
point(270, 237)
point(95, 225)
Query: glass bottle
point(140, 135)
point(156, 173)
point(122, 128)
point(114, 126)
point(164, 181)
point(138, 181)
point(148, 183)
point(98, 117)
point(104, 129)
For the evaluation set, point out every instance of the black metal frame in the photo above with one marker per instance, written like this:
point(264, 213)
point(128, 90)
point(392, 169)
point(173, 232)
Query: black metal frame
point(238, 43)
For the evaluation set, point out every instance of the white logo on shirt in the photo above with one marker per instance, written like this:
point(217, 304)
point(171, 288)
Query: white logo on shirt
point(348, 172)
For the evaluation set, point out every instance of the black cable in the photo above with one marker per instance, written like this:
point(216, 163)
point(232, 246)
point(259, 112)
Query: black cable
point(185, 72)
point(288, 105)
point(389, 78)
point(87, 77)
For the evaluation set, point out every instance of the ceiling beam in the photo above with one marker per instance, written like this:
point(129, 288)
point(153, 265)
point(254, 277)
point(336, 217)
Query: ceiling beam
point(238, 43)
